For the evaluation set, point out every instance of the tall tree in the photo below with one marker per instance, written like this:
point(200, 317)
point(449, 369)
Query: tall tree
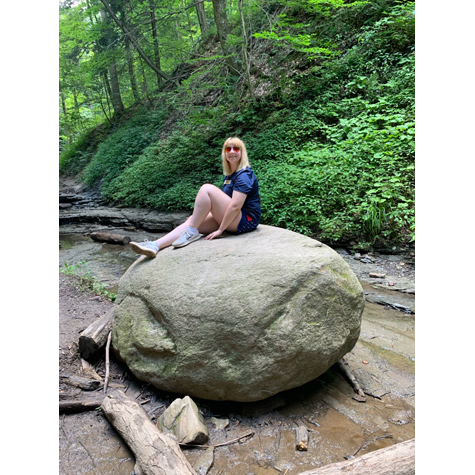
point(116, 97)
point(245, 55)
point(123, 8)
point(200, 12)
point(133, 40)
point(221, 20)
point(156, 51)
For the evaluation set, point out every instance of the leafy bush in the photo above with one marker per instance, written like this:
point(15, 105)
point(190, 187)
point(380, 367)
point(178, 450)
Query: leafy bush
point(74, 158)
point(123, 147)
point(168, 173)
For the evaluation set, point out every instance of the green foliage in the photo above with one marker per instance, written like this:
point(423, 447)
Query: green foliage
point(122, 147)
point(86, 280)
point(358, 187)
point(168, 174)
point(74, 158)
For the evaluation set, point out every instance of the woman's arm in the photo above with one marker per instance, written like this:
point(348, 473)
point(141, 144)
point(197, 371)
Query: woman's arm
point(232, 211)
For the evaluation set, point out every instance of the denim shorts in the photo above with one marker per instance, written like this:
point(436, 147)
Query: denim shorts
point(246, 224)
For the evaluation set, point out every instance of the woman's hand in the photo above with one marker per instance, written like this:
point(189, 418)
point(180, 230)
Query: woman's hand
point(213, 235)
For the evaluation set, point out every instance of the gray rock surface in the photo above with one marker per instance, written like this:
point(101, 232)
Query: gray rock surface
point(238, 318)
point(183, 419)
point(150, 220)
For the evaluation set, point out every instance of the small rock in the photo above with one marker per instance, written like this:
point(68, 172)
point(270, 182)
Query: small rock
point(204, 462)
point(183, 420)
point(219, 423)
point(376, 275)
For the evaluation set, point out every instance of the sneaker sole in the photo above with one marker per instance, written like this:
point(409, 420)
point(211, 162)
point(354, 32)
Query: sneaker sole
point(141, 250)
point(195, 238)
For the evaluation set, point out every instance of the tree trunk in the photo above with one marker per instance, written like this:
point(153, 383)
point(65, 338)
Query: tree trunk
point(200, 11)
point(155, 452)
point(134, 41)
point(108, 90)
point(156, 51)
point(114, 91)
point(399, 459)
point(130, 67)
point(221, 20)
point(76, 103)
point(144, 81)
point(63, 103)
point(190, 28)
point(245, 56)
point(129, 53)
point(116, 98)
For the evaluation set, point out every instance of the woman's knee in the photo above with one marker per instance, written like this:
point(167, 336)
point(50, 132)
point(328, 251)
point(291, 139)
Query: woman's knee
point(208, 188)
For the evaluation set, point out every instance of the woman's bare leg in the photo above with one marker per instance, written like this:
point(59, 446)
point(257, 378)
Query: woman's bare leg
point(210, 205)
point(211, 200)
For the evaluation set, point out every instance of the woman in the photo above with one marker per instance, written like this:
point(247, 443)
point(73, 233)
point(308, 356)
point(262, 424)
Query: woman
point(235, 208)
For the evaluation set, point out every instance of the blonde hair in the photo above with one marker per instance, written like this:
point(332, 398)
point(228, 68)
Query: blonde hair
point(244, 159)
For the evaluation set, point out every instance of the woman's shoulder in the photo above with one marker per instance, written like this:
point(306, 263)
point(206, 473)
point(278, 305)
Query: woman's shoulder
point(244, 171)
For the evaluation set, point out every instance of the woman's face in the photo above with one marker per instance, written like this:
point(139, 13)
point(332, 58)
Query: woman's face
point(233, 155)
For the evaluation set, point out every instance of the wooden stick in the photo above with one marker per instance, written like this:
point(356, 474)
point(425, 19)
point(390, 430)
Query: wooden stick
point(106, 379)
point(229, 442)
point(301, 438)
point(343, 365)
point(368, 442)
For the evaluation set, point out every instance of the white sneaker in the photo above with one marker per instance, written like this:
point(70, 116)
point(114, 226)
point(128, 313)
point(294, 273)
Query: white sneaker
point(186, 238)
point(147, 248)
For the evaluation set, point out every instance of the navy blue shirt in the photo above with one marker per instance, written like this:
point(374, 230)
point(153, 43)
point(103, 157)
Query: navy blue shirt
point(245, 182)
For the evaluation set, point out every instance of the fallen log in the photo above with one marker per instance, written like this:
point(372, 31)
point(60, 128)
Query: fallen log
point(94, 337)
point(398, 459)
point(67, 407)
point(79, 382)
point(110, 238)
point(155, 453)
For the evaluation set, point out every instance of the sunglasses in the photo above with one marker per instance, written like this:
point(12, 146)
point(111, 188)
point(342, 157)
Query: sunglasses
point(230, 149)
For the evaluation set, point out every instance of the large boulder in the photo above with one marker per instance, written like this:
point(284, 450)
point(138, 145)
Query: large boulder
point(239, 318)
